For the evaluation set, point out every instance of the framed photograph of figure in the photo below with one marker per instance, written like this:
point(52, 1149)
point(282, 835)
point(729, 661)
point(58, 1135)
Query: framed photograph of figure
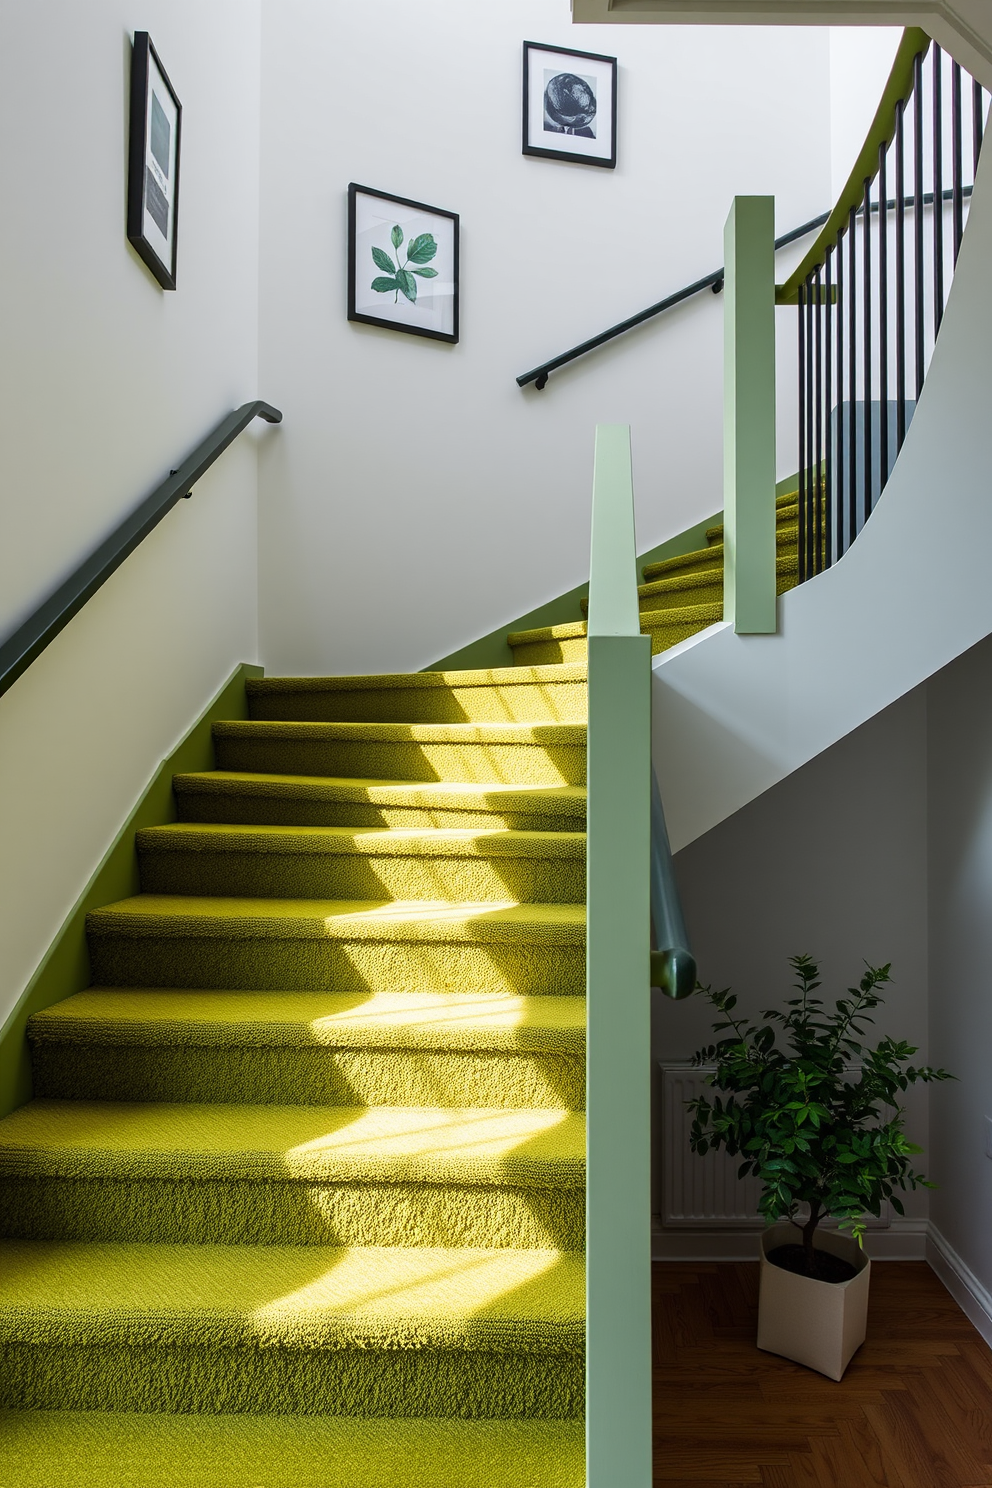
point(153, 162)
point(402, 264)
point(570, 105)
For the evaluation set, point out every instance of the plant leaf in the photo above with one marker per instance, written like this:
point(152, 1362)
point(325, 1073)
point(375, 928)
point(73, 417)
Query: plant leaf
point(383, 260)
point(425, 273)
point(383, 286)
point(407, 284)
point(421, 250)
point(396, 236)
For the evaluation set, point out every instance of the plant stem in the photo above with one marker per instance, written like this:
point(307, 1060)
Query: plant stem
point(808, 1230)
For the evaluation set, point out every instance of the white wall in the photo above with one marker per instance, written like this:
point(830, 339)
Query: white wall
point(418, 497)
point(829, 862)
point(960, 838)
point(860, 61)
point(107, 381)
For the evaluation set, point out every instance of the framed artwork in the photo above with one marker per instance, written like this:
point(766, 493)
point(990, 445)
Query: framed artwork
point(570, 105)
point(402, 264)
point(153, 162)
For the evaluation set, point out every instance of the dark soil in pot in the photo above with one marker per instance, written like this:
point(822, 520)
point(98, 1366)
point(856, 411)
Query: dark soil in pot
point(829, 1267)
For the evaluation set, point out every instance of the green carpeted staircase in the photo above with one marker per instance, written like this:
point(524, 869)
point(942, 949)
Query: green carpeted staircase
point(299, 1201)
point(679, 596)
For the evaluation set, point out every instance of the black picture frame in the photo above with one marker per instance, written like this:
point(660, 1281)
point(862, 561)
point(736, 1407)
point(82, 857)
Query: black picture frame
point(539, 130)
point(416, 221)
point(153, 162)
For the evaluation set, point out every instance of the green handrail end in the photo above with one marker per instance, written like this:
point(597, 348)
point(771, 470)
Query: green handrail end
point(673, 972)
point(898, 86)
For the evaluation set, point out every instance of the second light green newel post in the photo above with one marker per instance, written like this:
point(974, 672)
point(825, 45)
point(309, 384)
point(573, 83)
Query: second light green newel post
point(749, 416)
point(618, 1110)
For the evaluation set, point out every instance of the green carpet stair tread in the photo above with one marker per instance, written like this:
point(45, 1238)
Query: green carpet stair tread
point(406, 1020)
point(357, 863)
point(299, 800)
point(178, 917)
point(292, 1297)
point(297, 1048)
point(105, 1449)
point(531, 694)
point(87, 1139)
point(509, 753)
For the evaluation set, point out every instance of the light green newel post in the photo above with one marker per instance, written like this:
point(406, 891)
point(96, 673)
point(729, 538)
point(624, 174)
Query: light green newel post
point(618, 1194)
point(749, 416)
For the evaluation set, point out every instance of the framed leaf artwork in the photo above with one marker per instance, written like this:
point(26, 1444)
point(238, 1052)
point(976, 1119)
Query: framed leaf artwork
point(402, 264)
point(153, 162)
point(570, 105)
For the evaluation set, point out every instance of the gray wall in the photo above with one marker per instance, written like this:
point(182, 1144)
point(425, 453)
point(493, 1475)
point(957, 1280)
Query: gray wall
point(831, 861)
point(960, 786)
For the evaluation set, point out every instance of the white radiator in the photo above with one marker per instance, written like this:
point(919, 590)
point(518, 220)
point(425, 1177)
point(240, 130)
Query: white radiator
point(705, 1192)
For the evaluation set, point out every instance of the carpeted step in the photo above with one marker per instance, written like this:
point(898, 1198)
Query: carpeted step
point(482, 753)
point(711, 557)
point(293, 1175)
point(363, 863)
point(107, 1449)
point(351, 946)
point(321, 801)
point(304, 1048)
point(666, 627)
point(503, 694)
point(274, 1329)
point(549, 643)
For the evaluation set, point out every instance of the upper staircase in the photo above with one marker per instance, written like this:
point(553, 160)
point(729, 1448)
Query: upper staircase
point(679, 596)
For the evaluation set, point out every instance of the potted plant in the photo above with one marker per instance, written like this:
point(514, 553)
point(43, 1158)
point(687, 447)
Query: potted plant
point(814, 1130)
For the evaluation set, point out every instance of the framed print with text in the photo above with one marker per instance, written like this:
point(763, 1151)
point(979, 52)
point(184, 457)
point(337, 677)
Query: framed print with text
point(402, 264)
point(153, 162)
point(570, 105)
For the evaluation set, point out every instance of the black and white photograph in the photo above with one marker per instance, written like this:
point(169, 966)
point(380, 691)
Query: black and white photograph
point(402, 264)
point(570, 105)
point(153, 162)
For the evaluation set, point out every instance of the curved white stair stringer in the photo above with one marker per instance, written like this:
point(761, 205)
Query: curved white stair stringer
point(735, 714)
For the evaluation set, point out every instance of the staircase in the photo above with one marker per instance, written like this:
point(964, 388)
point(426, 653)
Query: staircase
point(679, 596)
point(299, 1200)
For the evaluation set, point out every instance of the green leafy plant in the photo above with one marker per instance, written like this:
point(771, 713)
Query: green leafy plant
point(400, 278)
point(812, 1131)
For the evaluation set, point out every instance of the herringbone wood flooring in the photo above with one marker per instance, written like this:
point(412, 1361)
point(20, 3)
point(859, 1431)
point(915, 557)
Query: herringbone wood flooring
point(914, 1409)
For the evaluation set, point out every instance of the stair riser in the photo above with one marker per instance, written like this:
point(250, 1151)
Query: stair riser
point(341, 966)
point(678, 598)
point(316, 1077)
point(550, 701)
point(289, 811)
point(664, 636)
point(258, 1380)
point(548, 653)
point(236, 1212)
point(557, 880)
point(507, 764)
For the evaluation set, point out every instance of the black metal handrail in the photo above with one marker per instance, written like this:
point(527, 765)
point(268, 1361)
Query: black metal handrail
point(30, 638)
point(871, 295)
point(673, 966)
point(714, 281)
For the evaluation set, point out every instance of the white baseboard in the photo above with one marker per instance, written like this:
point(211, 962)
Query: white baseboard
point(972, 1297)
point(902, 1240)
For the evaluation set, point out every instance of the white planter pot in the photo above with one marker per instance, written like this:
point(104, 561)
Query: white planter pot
point(820, 1324)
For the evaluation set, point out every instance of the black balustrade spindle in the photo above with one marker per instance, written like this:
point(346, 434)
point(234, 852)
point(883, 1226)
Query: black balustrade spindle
point(976, 122)
point(839, 514)
point(801, 532)
point(810, 408)
point(817, 523)
point(900, 307)
point(852, 375)
point(957, 162)
point(938, 191)
point(883, 316)
point(918, 217)
point(828, 312)
point(867, 350)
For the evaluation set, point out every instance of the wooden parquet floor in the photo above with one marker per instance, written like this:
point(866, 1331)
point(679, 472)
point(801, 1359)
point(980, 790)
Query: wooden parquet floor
point(914, 1409)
